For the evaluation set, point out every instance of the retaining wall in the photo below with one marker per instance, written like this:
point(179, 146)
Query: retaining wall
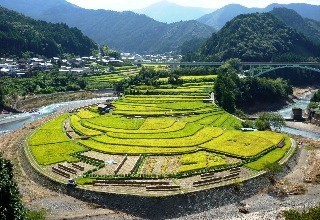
point(161, 207)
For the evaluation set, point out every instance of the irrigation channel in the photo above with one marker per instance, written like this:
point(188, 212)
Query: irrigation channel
point(16, 121)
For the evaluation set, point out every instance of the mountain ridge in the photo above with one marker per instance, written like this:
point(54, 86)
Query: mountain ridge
point(168, 12)
point(125, 31)
point(256, 37)
point(220, 17)
point(20, 34)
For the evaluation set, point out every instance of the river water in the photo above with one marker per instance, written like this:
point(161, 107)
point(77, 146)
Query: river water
point(286, 113)
point(16, 121)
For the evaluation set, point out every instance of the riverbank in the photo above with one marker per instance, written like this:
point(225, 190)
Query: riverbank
point(299, 93)
point(31, 102)
point(303, 126)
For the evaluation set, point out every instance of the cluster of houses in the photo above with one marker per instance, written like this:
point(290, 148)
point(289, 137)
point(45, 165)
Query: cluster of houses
point(22, 66)
point(166, 57)
point(9, 66)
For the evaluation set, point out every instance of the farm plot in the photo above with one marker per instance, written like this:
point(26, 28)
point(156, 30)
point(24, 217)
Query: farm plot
point(54, 153)
point(201, 160)
point(155, 137)
point(179, 125)
point(52, 132)
point(134, 150)
point(241, 143)
point(202, 136)
point(269, 158)
point(81, 130)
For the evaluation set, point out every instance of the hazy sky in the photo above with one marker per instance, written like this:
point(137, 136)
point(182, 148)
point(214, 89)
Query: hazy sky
point(121, 5)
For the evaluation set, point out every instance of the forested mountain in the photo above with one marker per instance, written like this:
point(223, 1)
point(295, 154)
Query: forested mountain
point(305, 10)
point(256, 37)
point(19, 34)
point(165, 11)
point(310, 28)
point(220, 17)
point(32, 8)
point(125, 31)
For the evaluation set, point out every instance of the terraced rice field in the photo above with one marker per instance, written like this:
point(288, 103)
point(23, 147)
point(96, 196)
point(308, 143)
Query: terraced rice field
point(155, 136)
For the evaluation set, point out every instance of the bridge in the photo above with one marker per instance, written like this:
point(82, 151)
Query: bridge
point(250, 68)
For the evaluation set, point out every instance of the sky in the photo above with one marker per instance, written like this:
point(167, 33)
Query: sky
point(123, 5)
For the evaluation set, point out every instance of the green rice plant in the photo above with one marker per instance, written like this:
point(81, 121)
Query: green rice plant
point(79, 129)
point(167, 112)
point(243, 144)
point(194, 158)
point(196, 118)
point(179, 125)
point(274, 137)
point(202, 136)
point(157, 123)
point(221, 120)
point(271, 157)
point(214, 160)
point(118, 122)
point(200, 160)
point(209, 120)
point(184, 105)
point(84, 114)
point(188, 130)
point(56, 123)
point(132, 107)
point(48, 136)
point(134, 150)
point(231, 123)
point(185, 78)
point(55, 153)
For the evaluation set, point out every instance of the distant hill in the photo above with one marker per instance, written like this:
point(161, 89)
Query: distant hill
point(305, 10)
point(124, 31)
point(32, 8)
point(168, 12)
point(310, 28)
point(256, 37)
point(220, 17)
point(19, 34)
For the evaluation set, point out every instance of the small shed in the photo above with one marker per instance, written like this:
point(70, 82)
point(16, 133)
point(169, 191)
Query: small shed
point(103, 108)
point(297, 114)
point(210, 100)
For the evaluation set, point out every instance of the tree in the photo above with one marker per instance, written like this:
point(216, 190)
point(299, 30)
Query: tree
point(227, 87)
point(106, 51)
point(2, 96)
point(10, 203)
point(268, 120)
point(174, 79)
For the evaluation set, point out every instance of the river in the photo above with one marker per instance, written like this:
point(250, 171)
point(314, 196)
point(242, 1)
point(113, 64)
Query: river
point(16, 121)
point(286, 113)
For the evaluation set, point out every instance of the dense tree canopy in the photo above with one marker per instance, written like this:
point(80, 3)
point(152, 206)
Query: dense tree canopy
point(233, 92)
point(40, 83)
point(255, 37)
point(10, 203)
point(19, 34)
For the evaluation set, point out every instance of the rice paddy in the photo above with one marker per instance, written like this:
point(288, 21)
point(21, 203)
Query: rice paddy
point(176, 136)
